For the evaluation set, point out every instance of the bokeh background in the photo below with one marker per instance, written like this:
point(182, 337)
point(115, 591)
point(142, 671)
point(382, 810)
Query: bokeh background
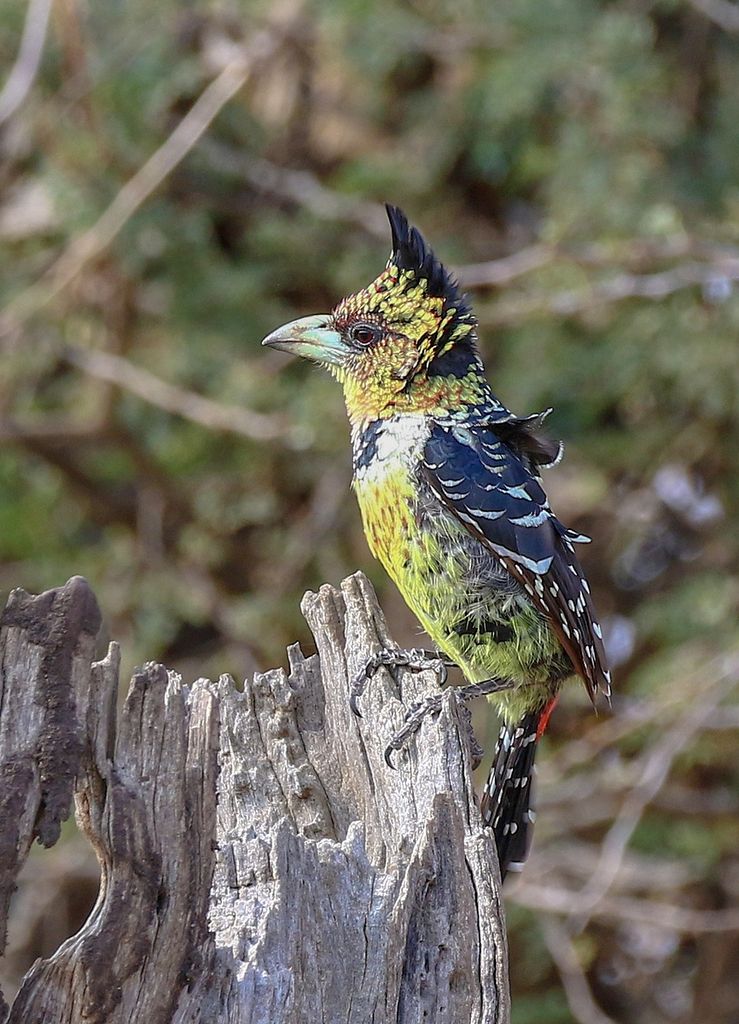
point(177, 179)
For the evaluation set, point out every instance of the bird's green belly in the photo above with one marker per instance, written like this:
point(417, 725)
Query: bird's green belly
point(487, 631)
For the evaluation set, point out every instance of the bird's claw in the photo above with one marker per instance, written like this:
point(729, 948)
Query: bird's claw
point(432, 704)
point(415, 714)
point(416, 659)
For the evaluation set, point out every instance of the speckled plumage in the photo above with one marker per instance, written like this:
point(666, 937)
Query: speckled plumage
point(468, 603)
point(447, 481)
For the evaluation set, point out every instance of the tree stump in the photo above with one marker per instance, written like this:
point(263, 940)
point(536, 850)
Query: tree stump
point(259, 861)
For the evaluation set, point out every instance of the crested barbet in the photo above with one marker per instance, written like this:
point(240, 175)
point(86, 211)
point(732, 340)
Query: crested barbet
point(448, 484)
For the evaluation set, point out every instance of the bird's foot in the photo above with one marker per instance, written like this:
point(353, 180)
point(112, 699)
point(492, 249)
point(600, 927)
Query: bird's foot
point(393, 657)
point(418, 711)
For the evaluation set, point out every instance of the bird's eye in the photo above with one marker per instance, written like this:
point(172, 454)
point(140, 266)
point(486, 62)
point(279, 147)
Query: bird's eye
point(363, 334)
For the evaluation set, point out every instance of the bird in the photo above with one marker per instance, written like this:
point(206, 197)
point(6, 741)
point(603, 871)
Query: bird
point(449, 487)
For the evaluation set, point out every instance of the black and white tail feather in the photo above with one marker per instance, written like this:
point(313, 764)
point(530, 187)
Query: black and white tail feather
point(507, 799)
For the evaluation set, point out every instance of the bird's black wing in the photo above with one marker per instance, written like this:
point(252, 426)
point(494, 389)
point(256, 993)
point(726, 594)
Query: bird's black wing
point(487, 486)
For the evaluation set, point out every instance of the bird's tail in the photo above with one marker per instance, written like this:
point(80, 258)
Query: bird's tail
point(507, 798)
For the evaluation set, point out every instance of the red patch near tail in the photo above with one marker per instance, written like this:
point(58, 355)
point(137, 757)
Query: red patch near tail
point(545, 716)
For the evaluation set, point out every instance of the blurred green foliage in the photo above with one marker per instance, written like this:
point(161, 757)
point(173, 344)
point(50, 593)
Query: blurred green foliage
point(599, 138)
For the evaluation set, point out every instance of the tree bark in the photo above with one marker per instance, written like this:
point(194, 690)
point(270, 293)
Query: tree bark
point(259, 861)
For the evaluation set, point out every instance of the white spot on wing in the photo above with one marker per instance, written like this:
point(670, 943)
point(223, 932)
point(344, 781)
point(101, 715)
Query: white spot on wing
point(534, 519)
point(483, 512)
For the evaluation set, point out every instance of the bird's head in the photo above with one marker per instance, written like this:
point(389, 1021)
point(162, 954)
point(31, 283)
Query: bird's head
point(406, 343)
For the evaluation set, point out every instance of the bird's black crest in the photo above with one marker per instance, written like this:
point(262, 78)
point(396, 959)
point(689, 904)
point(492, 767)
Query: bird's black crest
point(410, 252)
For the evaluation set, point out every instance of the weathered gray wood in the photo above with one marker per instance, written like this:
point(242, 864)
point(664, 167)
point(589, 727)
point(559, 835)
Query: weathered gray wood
point(259, 861)
point(46, 647)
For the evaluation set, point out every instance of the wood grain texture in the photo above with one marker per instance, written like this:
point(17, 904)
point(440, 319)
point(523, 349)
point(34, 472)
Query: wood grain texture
point(259, 861)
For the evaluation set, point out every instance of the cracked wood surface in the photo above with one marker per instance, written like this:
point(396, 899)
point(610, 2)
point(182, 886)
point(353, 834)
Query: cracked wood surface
point(259, 861)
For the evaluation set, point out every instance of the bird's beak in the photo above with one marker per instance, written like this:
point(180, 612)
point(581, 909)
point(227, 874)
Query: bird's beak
point(312, 338)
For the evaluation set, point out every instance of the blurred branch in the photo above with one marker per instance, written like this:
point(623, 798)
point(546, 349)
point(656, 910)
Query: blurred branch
point(685, 920)
point(727, 719)
point(721, 12)
point(506, 268)
point(577, 990)
point(213, 415)
point(637, 253)
point(28, 61)
point(606, 868)
point(628, 716)
point(573, 857)
point(51, 430)
point(300, 187)
point(145, 181)
point(571, 301)
point(657, 763)
point(679, 919)
point(631, 715)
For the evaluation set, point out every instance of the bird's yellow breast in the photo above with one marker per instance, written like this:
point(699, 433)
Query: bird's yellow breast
point(386, 505)
point(387, 491)
point(414, 557)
